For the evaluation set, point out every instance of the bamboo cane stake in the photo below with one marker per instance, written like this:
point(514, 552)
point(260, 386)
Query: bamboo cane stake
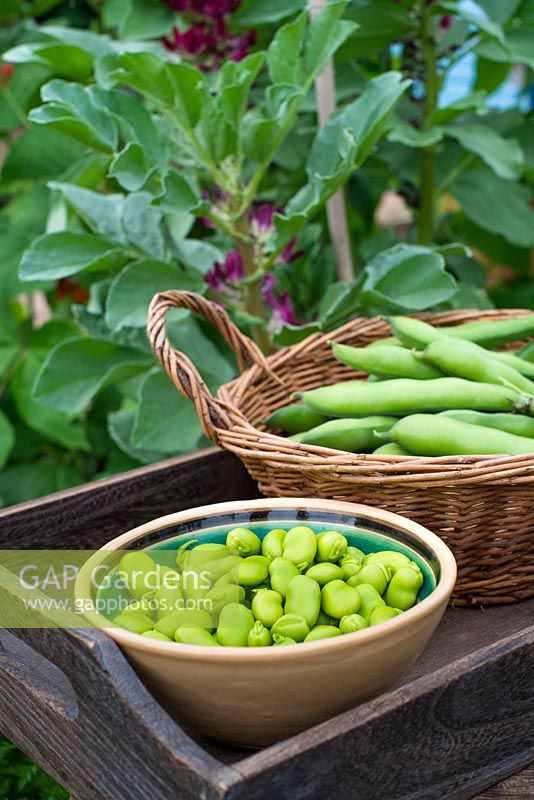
point(336, 210)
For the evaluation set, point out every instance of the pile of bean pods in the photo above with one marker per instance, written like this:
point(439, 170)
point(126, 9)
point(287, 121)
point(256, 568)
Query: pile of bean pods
point(430, 392)
point(291, 586)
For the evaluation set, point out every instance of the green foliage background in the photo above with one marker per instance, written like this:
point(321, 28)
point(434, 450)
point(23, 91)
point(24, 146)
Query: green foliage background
point(113, 146)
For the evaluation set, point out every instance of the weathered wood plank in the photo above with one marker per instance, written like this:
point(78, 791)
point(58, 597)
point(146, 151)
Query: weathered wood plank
point(91, 724)
point(518, 787)
point(457, 731)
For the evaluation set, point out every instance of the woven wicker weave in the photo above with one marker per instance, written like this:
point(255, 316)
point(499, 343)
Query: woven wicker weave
point(482, 506)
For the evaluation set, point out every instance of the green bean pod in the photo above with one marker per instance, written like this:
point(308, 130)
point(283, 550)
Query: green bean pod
point(391, 449)
point(325, 572)
point(416, 333)
point(404, 587)
point(304, 598)
point(297, 418)
point(267, 606)
point(390, 558)
point(404, 396)
point(300, 546)
point(244, 542)
point(382, 614)
point(467, 360)
point(386, 361)
point(370, 599)
point(282, 571)
point(518, 424)
point(235, 623)
point(352, 623)
point(375, 574)
point(322, 632)
point(352, 435)
point(272, 545)
point(338, 599)
point(518, 363)
point(134, 621)
point(191, 634)
point(259, 636)
point(429, 435)
point(293, 625)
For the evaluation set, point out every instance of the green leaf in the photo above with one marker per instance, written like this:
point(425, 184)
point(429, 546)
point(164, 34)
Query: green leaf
point(146, 72)
point(94, 324)
point(283, 55)
point(492, 30)
point(198, 254)
point(496, 205)
point(409, 277)
point(325, 36)
point(55, 425)
point(264, 12)
point(500, 10)
point(76, 370)
point(405, 133)
point(7, 439)
point(24, 87)
point(134, 123)
point(120, 427)
point(189, 95)
point(179, 195)
point(147, 19)
point(71, 108)
point(379, 25)
point(25, 158)
point(519, 47)
point(142, 224)
point(102, 213)
point(453, 250)
point(20, 222)
point(166, 422)
point(130, 169)
point(490, 74)
point(474, 102)
point(133, 289)
point(21, 482)
point(366, 119)
point(340, 301)
point(504, 156)
point(65, 61)
point(293, 334)
point(58, 255)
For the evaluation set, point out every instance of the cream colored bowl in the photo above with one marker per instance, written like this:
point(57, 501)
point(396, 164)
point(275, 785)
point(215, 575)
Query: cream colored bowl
point(256, 696)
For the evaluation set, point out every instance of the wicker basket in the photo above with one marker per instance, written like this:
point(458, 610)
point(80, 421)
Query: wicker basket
point(482, 506)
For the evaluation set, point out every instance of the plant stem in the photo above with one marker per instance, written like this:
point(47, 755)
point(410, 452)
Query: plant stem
point(427, 214)
point(14, 105)
point(253, 298)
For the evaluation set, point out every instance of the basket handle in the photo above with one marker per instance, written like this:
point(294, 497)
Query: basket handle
point(212, 412)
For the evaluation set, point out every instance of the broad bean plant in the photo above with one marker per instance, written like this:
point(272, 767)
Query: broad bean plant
point(175, 145)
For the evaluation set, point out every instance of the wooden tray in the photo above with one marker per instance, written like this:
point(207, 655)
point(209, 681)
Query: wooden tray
point(461, 720)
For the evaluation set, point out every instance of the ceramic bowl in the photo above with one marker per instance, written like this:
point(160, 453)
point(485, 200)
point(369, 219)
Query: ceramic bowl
point(254, 697)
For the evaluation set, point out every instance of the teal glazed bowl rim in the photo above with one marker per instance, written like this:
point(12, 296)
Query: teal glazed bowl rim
point(201, 521)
